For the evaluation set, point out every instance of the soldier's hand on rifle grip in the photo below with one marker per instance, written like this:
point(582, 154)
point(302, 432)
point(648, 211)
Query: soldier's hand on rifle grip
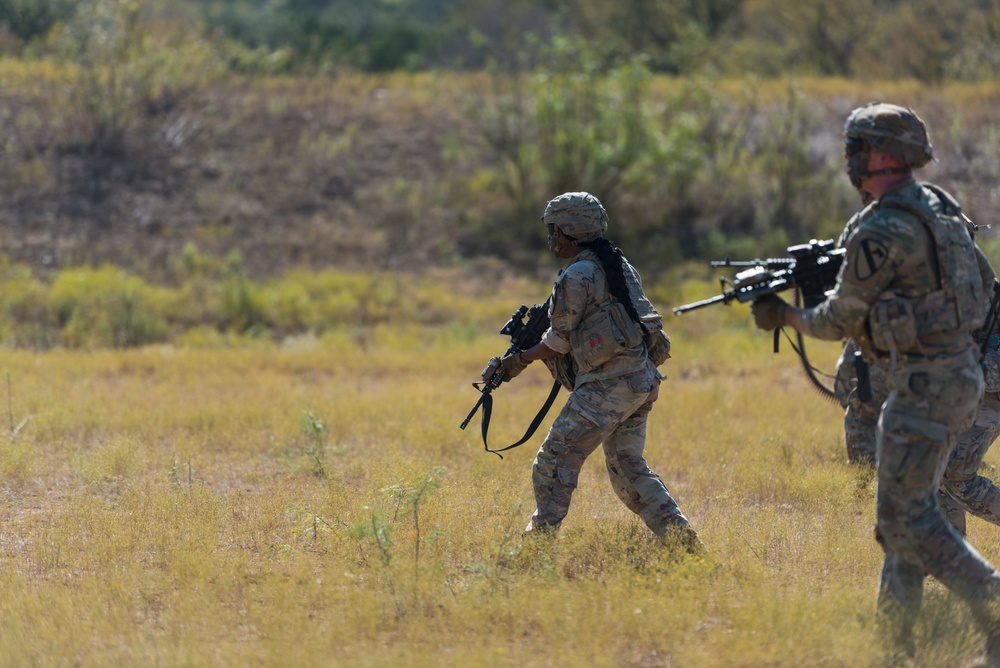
point(491, 369)
point(511, 365)
point(768, 312)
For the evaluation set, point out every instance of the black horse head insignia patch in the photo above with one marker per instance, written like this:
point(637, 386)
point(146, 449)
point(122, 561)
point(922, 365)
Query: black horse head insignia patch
point(870, 258)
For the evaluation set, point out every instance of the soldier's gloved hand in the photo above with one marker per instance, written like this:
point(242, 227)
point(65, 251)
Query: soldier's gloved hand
point(511, 365)
point(768, 312)
point(491, 368)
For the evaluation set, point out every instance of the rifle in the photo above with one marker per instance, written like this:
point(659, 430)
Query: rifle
point(811, 269)
point(523, 335)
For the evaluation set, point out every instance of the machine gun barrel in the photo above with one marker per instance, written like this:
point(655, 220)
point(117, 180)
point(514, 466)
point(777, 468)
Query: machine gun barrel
point(724, 298)
point(811, 268)
point(769, 263)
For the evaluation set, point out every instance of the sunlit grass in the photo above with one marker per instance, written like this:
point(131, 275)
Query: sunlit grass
point(262, 506)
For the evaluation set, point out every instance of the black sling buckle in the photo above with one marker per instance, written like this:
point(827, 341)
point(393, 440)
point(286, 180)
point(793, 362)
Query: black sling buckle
point(532, 428)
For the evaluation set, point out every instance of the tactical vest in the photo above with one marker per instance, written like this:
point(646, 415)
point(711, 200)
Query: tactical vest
point(897, 323)
point(610, 331)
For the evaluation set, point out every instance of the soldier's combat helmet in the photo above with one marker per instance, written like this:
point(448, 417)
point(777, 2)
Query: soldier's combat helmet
point(891, 129)
point(579, 215)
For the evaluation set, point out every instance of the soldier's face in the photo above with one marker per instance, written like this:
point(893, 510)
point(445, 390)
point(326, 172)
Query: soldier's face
point(559, 245)
point(857, 154)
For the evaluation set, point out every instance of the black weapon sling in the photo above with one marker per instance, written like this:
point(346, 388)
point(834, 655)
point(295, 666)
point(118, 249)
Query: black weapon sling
point(991, 319)
point(532, 428)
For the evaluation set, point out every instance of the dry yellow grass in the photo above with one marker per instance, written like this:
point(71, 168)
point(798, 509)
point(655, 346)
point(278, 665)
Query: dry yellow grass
point(173, 507)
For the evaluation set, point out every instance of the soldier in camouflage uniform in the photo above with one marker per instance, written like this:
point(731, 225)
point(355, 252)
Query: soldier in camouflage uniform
point(604, 344)
point(963, 490)
point(911, 290)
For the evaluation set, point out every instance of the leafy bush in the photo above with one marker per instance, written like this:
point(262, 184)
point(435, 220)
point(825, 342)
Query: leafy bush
point(128, 62)
point(215, 304)
point(684, 171)
point(25, 320)
point(105, 307)
point(571, 125)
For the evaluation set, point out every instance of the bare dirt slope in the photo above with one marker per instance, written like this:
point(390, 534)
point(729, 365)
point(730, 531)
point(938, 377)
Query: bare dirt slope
point(288, 173)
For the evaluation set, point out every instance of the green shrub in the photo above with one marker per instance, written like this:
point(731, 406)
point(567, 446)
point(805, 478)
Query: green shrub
point(25, 321)
point(216, 305)
point(106, 307)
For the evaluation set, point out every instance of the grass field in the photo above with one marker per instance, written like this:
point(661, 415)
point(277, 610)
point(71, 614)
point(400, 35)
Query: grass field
point(314, 503)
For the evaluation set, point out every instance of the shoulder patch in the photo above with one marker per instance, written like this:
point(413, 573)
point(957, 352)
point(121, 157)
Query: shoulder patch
point(869, 259)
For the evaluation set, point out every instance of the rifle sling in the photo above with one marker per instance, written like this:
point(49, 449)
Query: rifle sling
point(488, 412)
point(991, 319)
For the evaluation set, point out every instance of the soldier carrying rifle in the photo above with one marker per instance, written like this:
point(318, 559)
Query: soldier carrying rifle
point(604, 343)
point(911, 290)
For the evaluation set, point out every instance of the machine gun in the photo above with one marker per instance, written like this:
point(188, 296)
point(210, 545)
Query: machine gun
point(811, 270)
point(525, 329)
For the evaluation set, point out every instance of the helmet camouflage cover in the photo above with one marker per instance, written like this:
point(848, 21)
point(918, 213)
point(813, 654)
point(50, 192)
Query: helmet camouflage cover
point(579, 215)
point(891, 129)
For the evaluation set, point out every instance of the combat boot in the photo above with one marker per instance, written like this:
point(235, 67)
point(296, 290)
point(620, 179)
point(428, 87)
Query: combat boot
point(682, 537)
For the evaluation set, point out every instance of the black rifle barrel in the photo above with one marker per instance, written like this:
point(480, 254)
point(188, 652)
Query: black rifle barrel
point(725, 298)
point(769, 263)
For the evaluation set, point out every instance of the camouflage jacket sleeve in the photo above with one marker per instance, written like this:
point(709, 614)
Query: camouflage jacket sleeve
point(573, 290)
point(880, 245)
point(851, 226)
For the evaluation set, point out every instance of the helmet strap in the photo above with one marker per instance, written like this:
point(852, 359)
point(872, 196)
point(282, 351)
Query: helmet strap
point(857, 168)
point(888, 170)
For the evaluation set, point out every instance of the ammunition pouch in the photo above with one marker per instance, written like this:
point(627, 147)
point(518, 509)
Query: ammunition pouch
point(892, 324)
point(896, 323)
point(563, 370)
point(599, 338)
point(658, 345)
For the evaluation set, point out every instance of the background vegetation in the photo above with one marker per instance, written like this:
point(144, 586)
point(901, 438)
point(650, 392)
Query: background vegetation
point(928, 41)
point(137, 130)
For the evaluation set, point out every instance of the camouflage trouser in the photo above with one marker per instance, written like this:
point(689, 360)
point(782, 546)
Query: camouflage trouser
point(860, 418)
point(964, 489)
point(612, 412)
point(930, 405)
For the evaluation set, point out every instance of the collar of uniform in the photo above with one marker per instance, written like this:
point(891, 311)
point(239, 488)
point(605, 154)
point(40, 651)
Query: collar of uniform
point(905, 184)
point(585, 254)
